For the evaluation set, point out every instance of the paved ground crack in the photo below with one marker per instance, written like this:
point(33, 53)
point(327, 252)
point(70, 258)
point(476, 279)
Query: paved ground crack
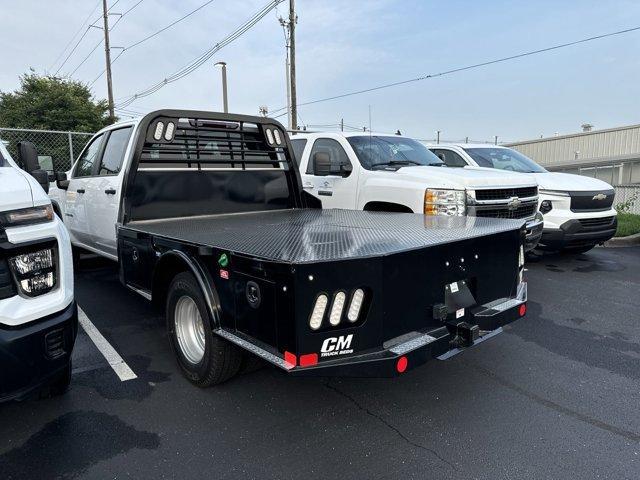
point(387, 424)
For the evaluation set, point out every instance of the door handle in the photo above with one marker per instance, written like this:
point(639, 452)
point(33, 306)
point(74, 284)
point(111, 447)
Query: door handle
point(110, 191)
point(80, 190)
point(307, 186)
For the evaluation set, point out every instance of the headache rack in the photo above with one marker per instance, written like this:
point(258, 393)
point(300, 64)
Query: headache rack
point(201, 143)
point(189, 163)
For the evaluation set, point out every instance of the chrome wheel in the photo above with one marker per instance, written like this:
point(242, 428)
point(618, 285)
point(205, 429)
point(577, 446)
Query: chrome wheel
point(189, 329)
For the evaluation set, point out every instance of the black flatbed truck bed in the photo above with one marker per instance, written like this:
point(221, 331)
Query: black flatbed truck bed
point(427, 286)
point(313, 235)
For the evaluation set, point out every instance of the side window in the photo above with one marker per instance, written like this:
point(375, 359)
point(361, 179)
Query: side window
point(114, 151)
point(298, 147)
point(449, 157)
point(337, 156)
point(87, 160)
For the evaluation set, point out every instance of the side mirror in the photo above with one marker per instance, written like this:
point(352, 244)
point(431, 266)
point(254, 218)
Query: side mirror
point(321, 164)
point(61, 180)
point(42, 178)
point(346, 169)
point(29, 158)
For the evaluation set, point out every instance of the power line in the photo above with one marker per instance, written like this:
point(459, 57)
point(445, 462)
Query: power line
point(129, 47)
point(199, 61)
point(102, 40)
point(83, 35)
point(74, 36)
point(468, 67)
point(168, 26)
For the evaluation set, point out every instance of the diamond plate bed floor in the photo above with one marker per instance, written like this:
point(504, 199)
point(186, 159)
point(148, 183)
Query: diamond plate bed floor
point(306, 235)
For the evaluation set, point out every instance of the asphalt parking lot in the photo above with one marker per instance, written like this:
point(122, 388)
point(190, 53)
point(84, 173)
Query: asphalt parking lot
point(555, 396)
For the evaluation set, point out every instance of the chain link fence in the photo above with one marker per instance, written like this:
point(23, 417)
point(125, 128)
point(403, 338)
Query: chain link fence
point(629, 195)
point(56, 150)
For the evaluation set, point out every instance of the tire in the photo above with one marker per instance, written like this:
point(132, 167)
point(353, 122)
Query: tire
point(577, 250)
point(75, 253)
point(204, 358)
point(251, 363)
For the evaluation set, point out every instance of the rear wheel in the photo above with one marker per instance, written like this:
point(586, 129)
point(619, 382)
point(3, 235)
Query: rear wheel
point(204, 358)
point(577, 250)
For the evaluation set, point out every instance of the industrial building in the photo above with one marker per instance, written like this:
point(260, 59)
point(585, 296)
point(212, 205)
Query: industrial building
point(612, 155)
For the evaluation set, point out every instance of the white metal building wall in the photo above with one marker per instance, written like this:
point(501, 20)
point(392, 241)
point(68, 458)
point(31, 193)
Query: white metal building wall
point(614, 144)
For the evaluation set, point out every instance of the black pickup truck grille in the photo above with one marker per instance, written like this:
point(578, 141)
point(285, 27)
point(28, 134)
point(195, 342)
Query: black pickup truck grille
point(506, 193)
point(596, 201)
point(524, 211)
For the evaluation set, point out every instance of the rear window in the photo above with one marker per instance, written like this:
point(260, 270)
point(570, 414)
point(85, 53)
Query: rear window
point(298, 147)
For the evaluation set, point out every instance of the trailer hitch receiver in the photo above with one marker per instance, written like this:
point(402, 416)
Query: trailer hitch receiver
point(465, 335)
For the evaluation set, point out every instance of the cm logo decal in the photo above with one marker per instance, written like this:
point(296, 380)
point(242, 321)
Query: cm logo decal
point(336, 346)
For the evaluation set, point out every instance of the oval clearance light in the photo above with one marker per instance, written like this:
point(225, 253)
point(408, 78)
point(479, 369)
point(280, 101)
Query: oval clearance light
point(276, 134)
point(318, 311)
point(355, 305)
point(336, 308)
point(402, 364)
point(157, 134)
point(168, 134)
point(269, 136)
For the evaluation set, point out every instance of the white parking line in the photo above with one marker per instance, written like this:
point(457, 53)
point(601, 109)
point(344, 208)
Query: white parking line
point(111, 356)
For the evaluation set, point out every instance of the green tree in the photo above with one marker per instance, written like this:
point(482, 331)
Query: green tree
point(52, 103)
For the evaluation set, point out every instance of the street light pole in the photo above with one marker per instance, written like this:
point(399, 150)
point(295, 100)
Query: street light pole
point(224, 85)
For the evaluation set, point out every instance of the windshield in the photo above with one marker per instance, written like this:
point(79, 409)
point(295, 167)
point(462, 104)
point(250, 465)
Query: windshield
point(379, 152)
point(504, 159)
point(3, 161)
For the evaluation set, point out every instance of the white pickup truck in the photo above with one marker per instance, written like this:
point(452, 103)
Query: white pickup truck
point(393, 173)
point(38, 314)
point(578, 211)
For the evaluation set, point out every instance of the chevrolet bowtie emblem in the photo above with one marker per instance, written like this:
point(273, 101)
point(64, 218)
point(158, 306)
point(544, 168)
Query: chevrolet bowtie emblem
point(600, 196)
point(514, 203)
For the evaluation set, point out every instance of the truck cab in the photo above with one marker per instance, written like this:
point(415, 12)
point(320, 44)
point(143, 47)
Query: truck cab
point(393, 173)
point(88, 200)
point(38, 315)
point(577, 210)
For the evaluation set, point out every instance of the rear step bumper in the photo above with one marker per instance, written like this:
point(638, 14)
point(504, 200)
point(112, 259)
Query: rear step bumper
point(484, 322)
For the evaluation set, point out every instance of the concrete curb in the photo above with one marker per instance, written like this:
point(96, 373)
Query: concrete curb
point(630, 241)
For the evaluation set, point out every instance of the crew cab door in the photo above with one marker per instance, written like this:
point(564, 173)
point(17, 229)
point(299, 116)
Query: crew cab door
point(337, 185)
point(104, 189)
point(76, 215)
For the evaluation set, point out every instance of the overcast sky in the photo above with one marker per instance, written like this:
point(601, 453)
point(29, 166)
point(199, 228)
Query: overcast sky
point(346, 45)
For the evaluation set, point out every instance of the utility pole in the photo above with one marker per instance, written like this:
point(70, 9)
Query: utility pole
point(292, 68)
point(225, 102)
point(438, 137)
point(107, 53)
point(342, 124)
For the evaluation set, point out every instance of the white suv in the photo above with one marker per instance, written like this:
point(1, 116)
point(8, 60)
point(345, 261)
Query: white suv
point(578, 211)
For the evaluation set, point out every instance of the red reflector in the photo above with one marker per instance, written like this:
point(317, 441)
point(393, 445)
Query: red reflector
point(523, 309)
point(308, 359)
point(224, 274)
point(401, 365)
point(290, 359)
